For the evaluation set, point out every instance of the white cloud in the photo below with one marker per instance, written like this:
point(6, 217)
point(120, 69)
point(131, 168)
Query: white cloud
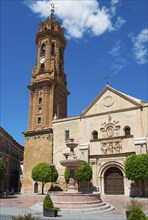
point(79, 16)
point(115, 51)
point(140, 48)
point(119, 61)
point(120, 21)
point(113, 2)
point(118, 65)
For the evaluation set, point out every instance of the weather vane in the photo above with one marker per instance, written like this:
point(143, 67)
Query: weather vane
point(53, 6)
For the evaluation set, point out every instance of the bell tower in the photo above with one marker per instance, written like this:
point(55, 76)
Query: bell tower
point(48, 96)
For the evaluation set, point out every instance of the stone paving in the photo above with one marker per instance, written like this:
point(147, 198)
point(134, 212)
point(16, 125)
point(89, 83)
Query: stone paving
point(24, 203)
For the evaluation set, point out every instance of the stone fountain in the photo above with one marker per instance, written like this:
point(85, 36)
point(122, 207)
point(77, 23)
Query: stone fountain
point(72, 163)
point(72, 200)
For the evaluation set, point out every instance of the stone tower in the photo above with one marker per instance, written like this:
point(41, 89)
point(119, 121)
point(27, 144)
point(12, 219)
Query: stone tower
point(48, 96)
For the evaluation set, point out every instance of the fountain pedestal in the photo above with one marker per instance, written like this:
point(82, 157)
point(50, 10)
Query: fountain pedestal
point(72, 163)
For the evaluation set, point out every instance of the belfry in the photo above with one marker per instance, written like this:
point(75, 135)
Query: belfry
point(48, 96)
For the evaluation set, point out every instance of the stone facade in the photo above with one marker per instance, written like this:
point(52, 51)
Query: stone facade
point(12, 152)
point(113, 127)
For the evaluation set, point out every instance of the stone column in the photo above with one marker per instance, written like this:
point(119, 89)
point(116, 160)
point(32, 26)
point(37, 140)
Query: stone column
point(93, 163)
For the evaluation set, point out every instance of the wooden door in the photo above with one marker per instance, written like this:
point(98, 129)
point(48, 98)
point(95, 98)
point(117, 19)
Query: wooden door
point(113, 180)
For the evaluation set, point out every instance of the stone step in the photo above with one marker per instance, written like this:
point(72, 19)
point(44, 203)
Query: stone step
point(77, 205)
point(104, 208)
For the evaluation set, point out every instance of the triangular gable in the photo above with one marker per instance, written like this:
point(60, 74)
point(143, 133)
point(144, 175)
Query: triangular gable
point(110, 100)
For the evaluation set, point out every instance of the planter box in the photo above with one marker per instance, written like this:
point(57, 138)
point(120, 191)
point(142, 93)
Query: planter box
point(50, 213)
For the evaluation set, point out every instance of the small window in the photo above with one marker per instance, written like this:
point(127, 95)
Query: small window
point(52, 49)
point(127, 131)
point(40, 101)
point(94, 135)
point(52, 27)
point(67, 136)
point(42, 67)
point(43, 47)
point(3, 146)
point(39, 120)
point(40, 110)
point(61, 54)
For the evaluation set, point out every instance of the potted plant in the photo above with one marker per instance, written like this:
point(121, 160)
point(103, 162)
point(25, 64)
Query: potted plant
point(48, 208)
point(135, 211)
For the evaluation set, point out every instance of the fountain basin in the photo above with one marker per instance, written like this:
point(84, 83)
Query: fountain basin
point(71, 163)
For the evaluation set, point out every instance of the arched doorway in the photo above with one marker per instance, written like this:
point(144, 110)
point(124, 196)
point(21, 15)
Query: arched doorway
point(113, 181)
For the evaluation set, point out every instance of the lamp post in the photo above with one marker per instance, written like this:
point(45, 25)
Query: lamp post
point(51, 166)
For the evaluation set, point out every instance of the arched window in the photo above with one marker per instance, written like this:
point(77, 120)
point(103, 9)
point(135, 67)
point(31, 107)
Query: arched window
point(43, 47)
point(39, 120)
point(52, 27)
point(3, 146)
point(40, 101)
point(94, 135)
point(127, 131)
point(42, 67)
point(52, 49)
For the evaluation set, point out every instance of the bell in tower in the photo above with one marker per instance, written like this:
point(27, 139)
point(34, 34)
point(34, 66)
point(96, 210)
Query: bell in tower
point(48, 96)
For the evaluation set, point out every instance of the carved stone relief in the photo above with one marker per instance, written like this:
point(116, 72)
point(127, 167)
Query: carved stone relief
point(108, 101)
point(110, 129)
point(111, 147)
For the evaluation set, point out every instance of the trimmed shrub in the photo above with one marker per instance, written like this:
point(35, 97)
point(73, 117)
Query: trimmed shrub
point(136, 212)
point(66, 174)
point(47, 203)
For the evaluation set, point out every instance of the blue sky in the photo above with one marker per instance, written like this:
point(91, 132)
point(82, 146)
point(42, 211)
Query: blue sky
point(105, 38)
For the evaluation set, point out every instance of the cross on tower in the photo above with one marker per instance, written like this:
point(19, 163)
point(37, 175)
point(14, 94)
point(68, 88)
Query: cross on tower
point(107, 79)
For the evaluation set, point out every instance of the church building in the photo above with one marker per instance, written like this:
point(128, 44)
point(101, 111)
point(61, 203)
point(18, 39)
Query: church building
point(111, 128)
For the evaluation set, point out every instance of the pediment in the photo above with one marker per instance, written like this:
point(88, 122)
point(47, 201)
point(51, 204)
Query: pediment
point(110, 100)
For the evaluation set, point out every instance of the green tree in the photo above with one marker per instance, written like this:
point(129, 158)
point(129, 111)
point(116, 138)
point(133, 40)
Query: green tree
point(82, 173)
point(136, 168)
point(2, 168)
point(43, 173)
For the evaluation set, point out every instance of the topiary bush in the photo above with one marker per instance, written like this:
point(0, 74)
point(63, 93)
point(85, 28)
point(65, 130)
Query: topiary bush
point(47, 203)
point(66, 174)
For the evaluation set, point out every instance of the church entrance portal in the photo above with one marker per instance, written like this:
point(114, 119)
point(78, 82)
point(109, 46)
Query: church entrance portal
point(113, 181)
